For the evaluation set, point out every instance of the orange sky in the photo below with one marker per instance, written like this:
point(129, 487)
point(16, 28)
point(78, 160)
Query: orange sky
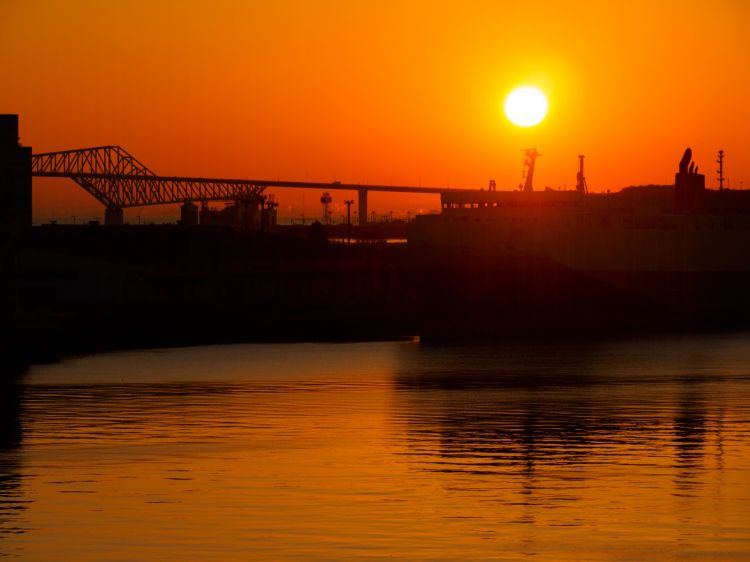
point(381, 92)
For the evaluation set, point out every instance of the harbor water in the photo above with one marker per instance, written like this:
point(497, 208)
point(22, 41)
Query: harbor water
point(619, 450)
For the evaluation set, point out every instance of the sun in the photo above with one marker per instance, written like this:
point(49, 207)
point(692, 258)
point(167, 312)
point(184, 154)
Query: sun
point(526, 106)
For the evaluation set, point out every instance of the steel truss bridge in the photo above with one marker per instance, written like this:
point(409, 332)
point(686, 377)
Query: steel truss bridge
point(118, 180)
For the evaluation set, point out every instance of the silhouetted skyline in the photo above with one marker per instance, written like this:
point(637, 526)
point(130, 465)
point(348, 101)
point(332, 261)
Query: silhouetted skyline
point(392, 94)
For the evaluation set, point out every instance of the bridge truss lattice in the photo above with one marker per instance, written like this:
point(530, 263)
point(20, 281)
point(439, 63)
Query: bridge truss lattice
point(118, 180)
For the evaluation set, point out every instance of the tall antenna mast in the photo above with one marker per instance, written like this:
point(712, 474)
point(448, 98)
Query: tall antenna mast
point(720, 171)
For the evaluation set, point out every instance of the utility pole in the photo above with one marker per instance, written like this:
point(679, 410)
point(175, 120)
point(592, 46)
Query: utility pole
point(349, 220)
point(720, 171)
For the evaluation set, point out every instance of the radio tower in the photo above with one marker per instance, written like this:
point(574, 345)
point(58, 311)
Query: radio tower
point(720, 171)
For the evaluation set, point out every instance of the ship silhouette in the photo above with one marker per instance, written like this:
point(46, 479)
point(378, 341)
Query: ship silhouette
point(572, 263)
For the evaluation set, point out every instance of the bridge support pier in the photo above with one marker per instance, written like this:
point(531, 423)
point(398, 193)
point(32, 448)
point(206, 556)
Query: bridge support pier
point(113, 216)
point(362, 206)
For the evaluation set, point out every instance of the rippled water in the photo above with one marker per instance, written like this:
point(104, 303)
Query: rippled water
point(610, 451)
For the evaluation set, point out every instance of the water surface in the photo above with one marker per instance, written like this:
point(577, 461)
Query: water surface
point(631, 450)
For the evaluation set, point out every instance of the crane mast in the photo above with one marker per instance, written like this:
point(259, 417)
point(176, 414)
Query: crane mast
point(531, 155)
point(581, 186)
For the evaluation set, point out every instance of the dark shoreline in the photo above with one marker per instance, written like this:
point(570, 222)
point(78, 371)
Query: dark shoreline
point(80, 289)
point(89, 289)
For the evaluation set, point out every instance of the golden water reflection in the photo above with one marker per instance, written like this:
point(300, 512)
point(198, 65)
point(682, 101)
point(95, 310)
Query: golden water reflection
point(626, 451)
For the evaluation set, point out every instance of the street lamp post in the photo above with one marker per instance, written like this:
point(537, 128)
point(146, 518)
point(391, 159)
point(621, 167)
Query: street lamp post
point(349, 220)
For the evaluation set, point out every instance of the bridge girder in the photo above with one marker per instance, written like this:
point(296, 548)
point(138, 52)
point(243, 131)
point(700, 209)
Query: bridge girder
point(118, 180)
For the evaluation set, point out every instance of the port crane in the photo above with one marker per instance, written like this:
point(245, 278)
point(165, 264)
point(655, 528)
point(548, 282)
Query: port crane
point(529, 163)
point(581, 186)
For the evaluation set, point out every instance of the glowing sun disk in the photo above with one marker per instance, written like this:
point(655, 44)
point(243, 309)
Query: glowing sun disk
point(526, 106)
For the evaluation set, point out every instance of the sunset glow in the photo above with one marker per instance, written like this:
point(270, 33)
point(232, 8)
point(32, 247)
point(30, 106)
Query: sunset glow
point(345, 280)
point(392, 93)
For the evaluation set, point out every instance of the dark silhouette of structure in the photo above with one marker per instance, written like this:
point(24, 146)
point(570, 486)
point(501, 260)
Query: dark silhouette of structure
point(529, 163)
point(568, 263)
point(326, 201)
point(348, 204)
point(15, 177)
point(581, 186)
point(118, 180)
point(690, 187)
point(15, 220)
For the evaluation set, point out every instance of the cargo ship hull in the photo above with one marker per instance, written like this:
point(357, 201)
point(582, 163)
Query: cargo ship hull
point(543, 299)
point(563, 264)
